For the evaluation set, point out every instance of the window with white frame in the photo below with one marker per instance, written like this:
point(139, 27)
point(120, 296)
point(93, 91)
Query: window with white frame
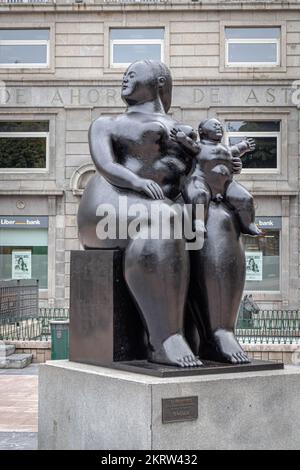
point(130, 44)
point(24, 145)
point(24, 48)
point(266, 156)
point(252, 47)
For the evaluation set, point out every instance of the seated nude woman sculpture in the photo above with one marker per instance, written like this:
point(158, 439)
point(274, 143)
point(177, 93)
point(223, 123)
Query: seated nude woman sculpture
point(135, 157)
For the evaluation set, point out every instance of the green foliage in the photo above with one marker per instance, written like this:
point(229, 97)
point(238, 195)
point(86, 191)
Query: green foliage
point(22, 152)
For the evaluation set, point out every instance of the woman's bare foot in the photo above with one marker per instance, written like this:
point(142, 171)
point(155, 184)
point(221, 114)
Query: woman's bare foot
point(175, 351)
point(225, 348)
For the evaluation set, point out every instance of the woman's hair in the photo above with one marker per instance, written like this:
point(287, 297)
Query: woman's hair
point(159, 69)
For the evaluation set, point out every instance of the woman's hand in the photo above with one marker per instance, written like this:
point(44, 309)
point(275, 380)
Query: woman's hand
point(150, 188)
point(177, 136)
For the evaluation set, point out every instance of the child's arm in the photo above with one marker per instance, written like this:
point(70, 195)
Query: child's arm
point(187, 142)
point(245, 146)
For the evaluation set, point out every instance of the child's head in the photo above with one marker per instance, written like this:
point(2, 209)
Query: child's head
point(211, 129)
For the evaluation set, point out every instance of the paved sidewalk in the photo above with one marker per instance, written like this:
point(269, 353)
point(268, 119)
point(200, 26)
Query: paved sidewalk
point(33, 369)
point(18, 441)
point(19, 408)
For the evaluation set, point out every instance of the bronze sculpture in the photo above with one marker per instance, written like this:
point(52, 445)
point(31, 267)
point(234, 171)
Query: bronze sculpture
point(136, 156)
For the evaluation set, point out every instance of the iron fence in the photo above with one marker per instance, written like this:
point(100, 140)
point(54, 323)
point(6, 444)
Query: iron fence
point(269, 327)
point(26, 1)
point(263, 327)
point(31, 328)
point(19, 298)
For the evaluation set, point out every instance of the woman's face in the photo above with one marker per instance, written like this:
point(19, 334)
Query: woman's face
point(139, 84)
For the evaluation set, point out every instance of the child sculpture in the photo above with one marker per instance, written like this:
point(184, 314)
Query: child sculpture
point(212, 178)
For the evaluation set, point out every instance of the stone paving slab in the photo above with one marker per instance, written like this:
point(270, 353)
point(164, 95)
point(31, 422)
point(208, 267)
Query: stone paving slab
point(18, 403)
point(18, 441)
point(32, 369)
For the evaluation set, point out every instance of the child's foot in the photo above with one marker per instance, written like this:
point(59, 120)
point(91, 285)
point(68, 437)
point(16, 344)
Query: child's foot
point(252, 230)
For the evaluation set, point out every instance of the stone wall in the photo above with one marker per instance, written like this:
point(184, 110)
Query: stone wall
point(286, 353)
point(40, 350)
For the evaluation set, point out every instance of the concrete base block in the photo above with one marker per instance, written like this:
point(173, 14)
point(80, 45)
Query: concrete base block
point(89, 407)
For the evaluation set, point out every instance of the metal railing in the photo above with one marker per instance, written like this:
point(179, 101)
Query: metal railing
point(264, 327)
point(19, 298)
point(26, 1)
point(269, 327)
point(104, 2)
point(31, 328)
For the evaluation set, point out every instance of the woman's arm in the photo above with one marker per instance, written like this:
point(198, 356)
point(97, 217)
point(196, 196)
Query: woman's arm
point(102, 153)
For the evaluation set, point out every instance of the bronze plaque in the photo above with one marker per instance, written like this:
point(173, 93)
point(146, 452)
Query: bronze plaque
point(179, 409)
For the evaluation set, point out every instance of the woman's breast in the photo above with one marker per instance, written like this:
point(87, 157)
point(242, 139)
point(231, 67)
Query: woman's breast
point(168, 167)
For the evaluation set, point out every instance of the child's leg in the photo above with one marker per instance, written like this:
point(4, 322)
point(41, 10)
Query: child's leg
point(242, 201)
point(196, 191)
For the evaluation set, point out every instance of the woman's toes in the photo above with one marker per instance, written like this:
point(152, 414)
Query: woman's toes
point(234, 359)
point(240, 357)
point(191, 360)
point(186, 361)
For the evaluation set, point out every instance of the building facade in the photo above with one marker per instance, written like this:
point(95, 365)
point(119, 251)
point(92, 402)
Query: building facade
point(61, 65)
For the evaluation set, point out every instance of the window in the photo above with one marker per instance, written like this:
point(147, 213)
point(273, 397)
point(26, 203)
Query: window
point(24, 144)
point(24, 250)
point(267, 139)
point(130, 44)
point(24, 48)
point(252, 47)
point(263, 262)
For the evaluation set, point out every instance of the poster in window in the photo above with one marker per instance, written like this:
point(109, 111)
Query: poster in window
point(254, 265)
point(21, 264)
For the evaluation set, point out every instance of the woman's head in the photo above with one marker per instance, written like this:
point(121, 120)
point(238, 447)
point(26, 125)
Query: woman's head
point(147, 80)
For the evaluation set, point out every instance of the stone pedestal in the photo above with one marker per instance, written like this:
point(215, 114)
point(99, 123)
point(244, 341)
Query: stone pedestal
point(88, 407)
point(104, 323)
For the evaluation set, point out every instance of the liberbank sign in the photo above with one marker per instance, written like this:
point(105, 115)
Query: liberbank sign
point(23, 222)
